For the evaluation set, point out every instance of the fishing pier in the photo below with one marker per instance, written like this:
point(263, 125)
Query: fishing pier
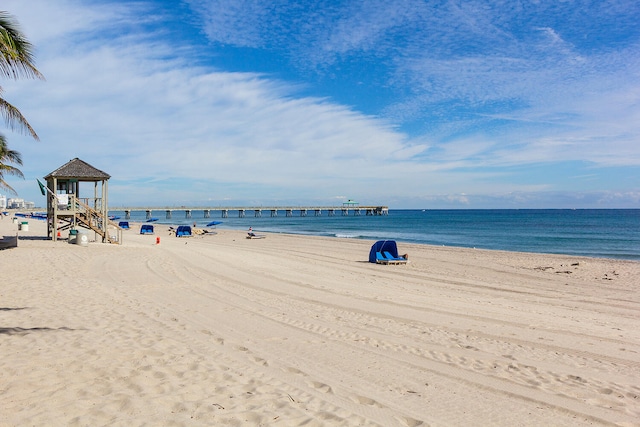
point(344, 210)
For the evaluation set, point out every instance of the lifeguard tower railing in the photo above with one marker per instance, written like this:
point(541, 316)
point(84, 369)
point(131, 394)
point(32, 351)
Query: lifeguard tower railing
point(69, 212)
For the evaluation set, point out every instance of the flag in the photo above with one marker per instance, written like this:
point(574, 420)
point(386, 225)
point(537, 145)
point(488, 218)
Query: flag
point(42, 187)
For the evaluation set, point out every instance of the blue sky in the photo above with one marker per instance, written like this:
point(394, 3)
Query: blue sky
point(411, 104)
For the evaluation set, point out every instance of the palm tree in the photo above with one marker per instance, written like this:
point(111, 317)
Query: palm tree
point(16, 61)
point(8, 156)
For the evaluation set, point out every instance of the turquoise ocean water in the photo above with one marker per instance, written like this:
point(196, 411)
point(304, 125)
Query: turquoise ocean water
point(602, 233)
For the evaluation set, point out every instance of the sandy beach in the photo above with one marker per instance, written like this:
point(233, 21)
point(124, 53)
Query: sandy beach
point(219, 330)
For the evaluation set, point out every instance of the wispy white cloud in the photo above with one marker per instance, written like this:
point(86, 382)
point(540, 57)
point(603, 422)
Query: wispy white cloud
point(245, 23)
point(475, 63)
point(477, 92)
point(119, 106)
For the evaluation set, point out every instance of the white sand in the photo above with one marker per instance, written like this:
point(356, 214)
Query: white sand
point(298, 331)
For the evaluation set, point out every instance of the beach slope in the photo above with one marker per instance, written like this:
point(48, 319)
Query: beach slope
point(303, 331)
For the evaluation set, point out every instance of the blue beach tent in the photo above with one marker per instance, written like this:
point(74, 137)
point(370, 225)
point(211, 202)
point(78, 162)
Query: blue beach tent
point(382, 246)
point(183, 231)
point(146, 229)
point(124, 224)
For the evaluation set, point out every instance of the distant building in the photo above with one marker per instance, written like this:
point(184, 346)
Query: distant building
point(15, 203)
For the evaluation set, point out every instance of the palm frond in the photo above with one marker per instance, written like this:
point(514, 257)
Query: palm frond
point(7, 187)
point(8, 156)
point(16, 57)
point(15, 120)
point(10, 170)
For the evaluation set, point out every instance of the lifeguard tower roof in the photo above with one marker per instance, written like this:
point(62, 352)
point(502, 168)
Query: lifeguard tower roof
point(78, 169)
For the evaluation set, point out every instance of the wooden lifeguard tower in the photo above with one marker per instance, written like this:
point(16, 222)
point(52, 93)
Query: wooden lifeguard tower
point(66, 210)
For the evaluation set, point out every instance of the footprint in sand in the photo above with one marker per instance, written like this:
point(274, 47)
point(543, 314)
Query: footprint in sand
point(410, 422)
point(208, 332)
point(366, 401)
point(296, 371)
point(324, 388)
point(260, 361)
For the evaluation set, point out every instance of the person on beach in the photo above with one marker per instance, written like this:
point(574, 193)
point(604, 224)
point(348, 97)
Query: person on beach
point(251, 233)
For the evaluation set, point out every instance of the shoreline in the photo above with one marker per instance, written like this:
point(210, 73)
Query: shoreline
point(451, 246)
point(300, 330)
point(566, 232)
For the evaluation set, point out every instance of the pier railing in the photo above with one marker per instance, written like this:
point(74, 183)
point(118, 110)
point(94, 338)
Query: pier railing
point(288, 211)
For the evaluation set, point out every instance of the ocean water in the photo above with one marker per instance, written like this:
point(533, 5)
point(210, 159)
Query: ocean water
point(602, 233)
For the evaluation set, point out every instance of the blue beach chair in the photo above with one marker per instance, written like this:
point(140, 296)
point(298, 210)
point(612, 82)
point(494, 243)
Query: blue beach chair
point(124, 225)
point(395, 259)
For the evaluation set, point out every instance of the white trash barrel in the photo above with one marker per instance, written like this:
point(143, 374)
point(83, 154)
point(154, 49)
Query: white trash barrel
point(24, 226)
point(82, 239)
